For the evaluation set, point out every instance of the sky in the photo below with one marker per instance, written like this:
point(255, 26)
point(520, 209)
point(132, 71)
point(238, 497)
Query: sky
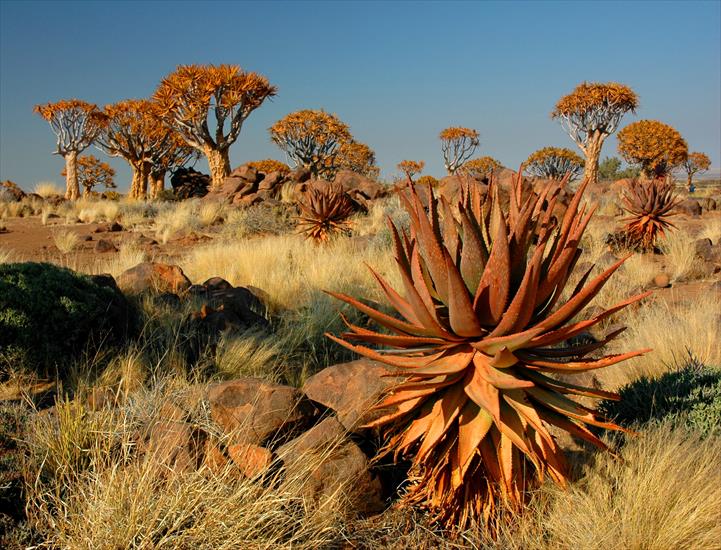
point(396, 72)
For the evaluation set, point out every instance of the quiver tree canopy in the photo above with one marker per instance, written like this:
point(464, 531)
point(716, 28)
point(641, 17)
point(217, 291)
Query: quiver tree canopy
point(480, 168)
point(208, 104)
point(311, 139)
point(457, 145)
point(655, 147)
point(357, 157)
point(554, 163)
point(410, 168)
point(481, 325)
point(76, 125)
point(93, 172)
point(590, 114)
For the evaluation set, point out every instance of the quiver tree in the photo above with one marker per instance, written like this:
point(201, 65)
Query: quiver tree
point(457, 145)
point(311, 139)
point(357, 157)
point(695, 163)
point(655, 147)
point(91, 172)
point(194, 96)
point(481, 168)
point(590, 114)
point(554, 163)
point(410, 168)
point(132, 130)
point(76, 125)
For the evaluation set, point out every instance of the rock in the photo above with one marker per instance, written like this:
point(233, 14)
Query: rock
point(300, 174)
point(351, 389)
point(103, 246)
point(217, 283)
point(662, 280)
point(115, 227)
point(153, 277)
point(352, 181)
point(256, 412)
point(188, 183)
point(271, 180)
point(167, 299)
point(334, 463)
point(691, 207)
point(251, 460)
point(213, 457)
point(704, 249)
point(709, 203)
point(88, 238)
point(174, 445)
point(10, 191)
point(246, 172)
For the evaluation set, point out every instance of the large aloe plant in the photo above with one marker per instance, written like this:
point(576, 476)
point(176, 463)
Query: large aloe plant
point(483, 324)
point(325, 212)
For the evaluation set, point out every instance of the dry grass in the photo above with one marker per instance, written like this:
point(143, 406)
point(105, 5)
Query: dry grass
point(66, 240)
point(663, 495)
point(47, 189)
point(291, 270)
point(678, 250)
point(693, 325)
point(712, 230)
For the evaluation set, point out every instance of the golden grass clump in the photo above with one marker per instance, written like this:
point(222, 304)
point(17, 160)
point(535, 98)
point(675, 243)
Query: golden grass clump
point(47, 189)
point(66, 241)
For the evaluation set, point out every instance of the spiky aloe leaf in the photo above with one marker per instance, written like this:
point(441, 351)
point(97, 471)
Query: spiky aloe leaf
point(479, 325)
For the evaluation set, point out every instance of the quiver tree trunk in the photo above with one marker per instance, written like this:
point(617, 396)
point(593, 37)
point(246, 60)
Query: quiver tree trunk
point(139, 183)
point(219, 165)
point(72, 189)
point(689, 182)
point(157, 184)
point(592, 152)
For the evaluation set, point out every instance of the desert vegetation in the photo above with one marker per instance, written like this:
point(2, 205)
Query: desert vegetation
point(304, 355)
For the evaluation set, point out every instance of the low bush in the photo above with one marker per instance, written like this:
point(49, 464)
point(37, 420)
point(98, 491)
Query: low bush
point(690, 396)
point(50, 315)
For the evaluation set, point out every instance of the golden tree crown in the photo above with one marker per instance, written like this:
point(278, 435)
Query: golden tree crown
point(92, 172)
point(593, 95)
point(697, 162)
point(76, 123)
point(481, 166)
point(357, 157)
point(458, 132)
point(266, 166)
point(554, 162)
point(411, 167)
point(655, 146)
point(309, 123)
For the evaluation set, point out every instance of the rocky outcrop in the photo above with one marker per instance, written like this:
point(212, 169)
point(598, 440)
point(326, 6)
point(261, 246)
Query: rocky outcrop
point(188, 183)
point(153, 277)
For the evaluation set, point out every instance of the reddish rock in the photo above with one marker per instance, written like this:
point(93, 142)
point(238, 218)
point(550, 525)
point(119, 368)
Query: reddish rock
point(157, 277)
point(102, 246)
point(255, 411)
point(323, 461)
point(174, 445)
point(213, 457)
point(250, 459)
point(351, 180)
point(271, 180)
point(351, 389)
point(300, 174)
point(247, 173)
point(662, 280)
point(691, 207)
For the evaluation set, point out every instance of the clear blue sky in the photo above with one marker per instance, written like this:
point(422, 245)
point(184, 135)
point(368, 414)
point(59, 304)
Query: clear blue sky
point(396, 72)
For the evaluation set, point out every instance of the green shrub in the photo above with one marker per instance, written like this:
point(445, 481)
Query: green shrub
point(50, 316)
point(690, 396)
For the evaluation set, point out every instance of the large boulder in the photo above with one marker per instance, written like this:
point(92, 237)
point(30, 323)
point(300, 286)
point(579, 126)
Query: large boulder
point(323, 461)
point(187, 183)
point(50, 316)
point(351, 390)
point(690, 207)
point(153, 277)
point(352, 181)
point(174, 445)
point(259, 413)
point(11, 192)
